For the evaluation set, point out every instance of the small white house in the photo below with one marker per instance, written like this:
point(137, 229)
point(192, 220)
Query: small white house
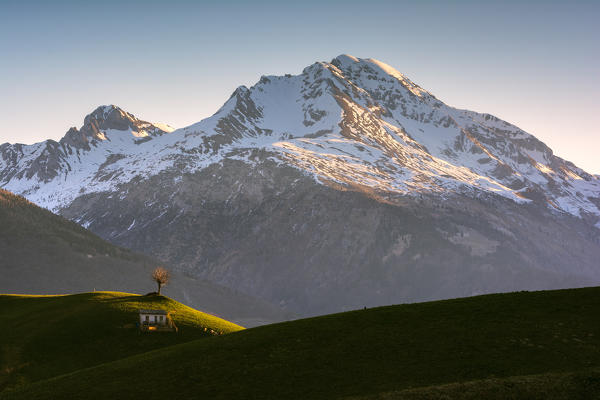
point(156, 320)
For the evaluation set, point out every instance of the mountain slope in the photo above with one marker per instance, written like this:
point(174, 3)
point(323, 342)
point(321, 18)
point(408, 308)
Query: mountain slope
point(343, 186)
point(500, 338)
point(46, 336)
point(352, 121)
point(42, 253)
point(47, 160)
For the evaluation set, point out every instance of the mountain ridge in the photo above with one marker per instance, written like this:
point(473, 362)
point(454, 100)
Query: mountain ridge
point(344, 186)
point(459, 148)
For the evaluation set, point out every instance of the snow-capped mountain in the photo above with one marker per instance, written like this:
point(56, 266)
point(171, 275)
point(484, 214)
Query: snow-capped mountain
point(340, 128)
point(352, 121)
point(46, 171)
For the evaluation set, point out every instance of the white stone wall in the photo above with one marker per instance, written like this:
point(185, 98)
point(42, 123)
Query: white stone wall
point(151, 319)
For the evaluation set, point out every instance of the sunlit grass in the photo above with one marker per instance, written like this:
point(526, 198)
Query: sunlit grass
point(44, 336)
point(507, 341)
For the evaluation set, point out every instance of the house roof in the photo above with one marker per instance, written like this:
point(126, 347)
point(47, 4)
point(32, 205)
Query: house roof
point(162, 312)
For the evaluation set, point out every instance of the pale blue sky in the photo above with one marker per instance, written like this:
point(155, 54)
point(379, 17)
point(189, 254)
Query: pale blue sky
point(536, 64)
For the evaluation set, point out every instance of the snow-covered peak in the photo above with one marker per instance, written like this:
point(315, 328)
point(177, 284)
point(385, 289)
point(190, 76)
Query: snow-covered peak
point(109, 117)
point(360, 121)
point(113, 118)
point(107, 109)
point(345, 61)
point(106, 130)
point(353, 121)
point(365, 71)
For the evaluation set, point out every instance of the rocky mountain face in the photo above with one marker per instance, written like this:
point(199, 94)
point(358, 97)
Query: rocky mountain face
point(344, 186)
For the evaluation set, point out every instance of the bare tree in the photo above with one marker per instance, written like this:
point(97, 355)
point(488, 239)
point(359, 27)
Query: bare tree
point(161, 276)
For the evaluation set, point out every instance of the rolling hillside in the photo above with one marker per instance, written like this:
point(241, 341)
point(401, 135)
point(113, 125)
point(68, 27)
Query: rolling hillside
point(45, 336)
point(525, 344)
point(43, 253)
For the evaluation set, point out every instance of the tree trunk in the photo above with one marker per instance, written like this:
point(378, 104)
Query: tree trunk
point(159, 285)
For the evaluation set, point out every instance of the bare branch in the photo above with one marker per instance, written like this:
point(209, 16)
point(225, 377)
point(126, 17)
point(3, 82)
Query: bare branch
point(161, 276)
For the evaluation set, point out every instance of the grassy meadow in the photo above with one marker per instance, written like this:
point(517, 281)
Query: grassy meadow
point(46, 336)
point(478, 346)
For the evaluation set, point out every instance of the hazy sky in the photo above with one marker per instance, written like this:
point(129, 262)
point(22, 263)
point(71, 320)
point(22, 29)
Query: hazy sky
point(536, 65)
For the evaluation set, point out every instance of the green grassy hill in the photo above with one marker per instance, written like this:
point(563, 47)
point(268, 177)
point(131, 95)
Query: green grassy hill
point(518, 344)
point(581, 385)
point(46, 336)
